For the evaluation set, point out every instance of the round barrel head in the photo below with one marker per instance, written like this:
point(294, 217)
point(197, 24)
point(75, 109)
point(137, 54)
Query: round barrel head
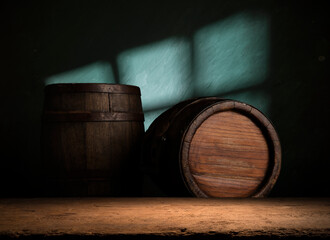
point(230, 150)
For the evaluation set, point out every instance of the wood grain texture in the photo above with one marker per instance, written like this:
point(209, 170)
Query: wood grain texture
point(164, 218)
point(229, 154)
point(90, 144)
point(230, 150)
point(213, 147)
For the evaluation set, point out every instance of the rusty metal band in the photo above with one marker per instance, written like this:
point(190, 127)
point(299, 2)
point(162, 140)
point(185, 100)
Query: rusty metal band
point(92, 117)
point(92, 87)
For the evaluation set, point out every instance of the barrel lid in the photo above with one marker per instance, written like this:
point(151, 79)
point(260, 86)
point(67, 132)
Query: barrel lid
point(92, 87)
point(230, 149)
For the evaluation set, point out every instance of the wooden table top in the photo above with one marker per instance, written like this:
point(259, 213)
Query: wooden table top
point(193, 218)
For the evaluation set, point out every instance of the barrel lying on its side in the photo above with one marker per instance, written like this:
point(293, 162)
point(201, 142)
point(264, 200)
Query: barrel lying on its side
point(213, 147)
point(91, 135)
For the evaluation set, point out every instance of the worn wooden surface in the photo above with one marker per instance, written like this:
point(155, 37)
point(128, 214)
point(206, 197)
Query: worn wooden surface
point(228, 155)
point(164, 217)
point(213, 147)
point(91, 137)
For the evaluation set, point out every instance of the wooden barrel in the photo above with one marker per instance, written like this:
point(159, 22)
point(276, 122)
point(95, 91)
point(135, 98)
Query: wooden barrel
point(90, 141)
point(212, 147)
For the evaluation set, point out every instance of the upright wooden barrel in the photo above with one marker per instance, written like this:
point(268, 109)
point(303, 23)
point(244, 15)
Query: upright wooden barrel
point(90, 141)
point(212, 147)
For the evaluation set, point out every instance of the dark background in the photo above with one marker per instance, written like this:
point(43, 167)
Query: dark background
point(43, 38)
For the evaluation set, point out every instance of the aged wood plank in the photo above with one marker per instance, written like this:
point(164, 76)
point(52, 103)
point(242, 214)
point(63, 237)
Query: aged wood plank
point(103, 218)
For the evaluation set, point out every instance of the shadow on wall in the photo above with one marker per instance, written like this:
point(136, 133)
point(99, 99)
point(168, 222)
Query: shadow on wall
point(228, 58)
point(272, 55)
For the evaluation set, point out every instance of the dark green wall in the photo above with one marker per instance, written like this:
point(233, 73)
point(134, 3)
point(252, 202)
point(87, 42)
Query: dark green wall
point(271, 54)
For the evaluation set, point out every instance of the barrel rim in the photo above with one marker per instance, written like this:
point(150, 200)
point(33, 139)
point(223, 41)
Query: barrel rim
point(227, 105)
point(92, 87)
point(85, 116)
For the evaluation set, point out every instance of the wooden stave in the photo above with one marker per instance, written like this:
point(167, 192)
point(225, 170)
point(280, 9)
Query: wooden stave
point(166, 143)
point(83, 119)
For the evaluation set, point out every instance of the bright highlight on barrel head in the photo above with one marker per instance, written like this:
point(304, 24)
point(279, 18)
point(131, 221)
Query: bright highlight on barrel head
point(230, 150)
point(229, 155)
